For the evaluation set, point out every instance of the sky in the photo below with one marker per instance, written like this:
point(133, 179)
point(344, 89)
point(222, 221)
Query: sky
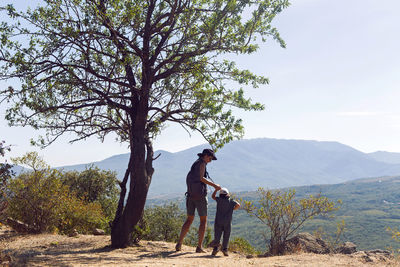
point(338, 79)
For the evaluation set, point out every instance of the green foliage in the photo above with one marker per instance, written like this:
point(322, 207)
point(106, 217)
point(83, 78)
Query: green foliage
point(192, 237)
point(94, 186)
point(283, 215)
point(173, 56)
point(140, 231)
point(40, 199)
point(395, 233)
point(335, 239)
point(241, 245)
point(5, 175)
point(164, 222)
point(160, 223)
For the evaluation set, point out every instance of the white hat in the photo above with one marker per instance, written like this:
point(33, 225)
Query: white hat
point(224, 191)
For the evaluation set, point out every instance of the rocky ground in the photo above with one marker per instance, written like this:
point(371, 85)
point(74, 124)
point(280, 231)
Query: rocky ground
point(90, 250)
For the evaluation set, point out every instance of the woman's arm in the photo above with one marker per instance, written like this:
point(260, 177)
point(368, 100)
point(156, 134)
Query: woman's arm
point(213, 194)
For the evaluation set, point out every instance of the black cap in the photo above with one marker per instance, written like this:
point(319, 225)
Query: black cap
point(208, 152)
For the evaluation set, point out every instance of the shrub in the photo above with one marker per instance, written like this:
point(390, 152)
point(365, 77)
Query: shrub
point(332, 240)
point(192, 237)
point(241, 245)
point(5, 175)
point(39, 199)
point(95, 186)
point(164, 222)
point(283, 215)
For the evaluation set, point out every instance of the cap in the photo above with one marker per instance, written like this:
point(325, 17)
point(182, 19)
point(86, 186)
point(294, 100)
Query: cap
point(224, 191)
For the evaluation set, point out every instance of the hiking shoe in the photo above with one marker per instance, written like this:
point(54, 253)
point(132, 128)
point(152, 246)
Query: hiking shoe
point(178, 247)
point(225, 251)
point(200, 250)
point(215, 251)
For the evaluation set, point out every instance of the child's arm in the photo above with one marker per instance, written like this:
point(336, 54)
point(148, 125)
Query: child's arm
point(214, 193)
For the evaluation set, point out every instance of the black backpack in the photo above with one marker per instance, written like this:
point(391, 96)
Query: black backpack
point(197, 190)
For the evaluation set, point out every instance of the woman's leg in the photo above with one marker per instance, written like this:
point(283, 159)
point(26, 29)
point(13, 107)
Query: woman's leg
point(202, 230)
point(185, 228)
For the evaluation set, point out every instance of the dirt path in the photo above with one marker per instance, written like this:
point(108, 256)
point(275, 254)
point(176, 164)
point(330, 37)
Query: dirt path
point(89, 250)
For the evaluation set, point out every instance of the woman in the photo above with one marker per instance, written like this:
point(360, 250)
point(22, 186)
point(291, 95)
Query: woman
point(196, 196)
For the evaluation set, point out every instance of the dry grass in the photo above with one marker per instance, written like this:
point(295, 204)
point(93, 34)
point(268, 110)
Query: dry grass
point(88, 250)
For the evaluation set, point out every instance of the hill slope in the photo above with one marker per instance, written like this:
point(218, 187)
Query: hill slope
point(271, 163)
point(369, 207)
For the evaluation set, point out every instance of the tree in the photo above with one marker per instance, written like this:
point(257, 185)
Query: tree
point(129, 67)
point(283, 214)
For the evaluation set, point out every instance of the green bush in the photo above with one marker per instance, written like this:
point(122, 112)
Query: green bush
point(95, 186)
point(40, 199)
point(5, 175)
point(283, 215)
point(192, 237)
point(243, 246)
point(164, 222)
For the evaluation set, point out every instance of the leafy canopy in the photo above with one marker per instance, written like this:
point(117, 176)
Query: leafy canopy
point(88, 66)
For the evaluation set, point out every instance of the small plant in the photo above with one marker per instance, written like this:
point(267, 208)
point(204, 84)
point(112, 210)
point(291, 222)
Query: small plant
point(394, 232)
point(334, 240)
point(159, 223)
point(241, 245)
point(283, 215)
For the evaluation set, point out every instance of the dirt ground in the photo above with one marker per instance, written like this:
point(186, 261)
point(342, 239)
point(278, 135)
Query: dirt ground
point(89, 250)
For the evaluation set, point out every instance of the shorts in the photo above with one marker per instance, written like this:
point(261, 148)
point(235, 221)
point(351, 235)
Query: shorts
point(200, 204)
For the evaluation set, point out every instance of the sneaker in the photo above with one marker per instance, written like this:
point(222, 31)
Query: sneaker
point(178, 247)
point(215, 251)
point(225, 251)
point(200, 250)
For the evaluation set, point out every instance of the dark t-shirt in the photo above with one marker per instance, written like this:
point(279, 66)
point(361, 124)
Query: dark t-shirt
point(193, 179)
point(224, 210)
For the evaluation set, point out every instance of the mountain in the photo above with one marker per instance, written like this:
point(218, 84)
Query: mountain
point(271, 163)
point(388, 157)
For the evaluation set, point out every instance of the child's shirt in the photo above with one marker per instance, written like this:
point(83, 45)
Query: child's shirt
point(225, 207)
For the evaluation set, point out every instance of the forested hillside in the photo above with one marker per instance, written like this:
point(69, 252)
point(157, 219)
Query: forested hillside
point(369, 207)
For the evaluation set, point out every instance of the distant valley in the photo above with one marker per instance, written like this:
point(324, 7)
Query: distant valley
point(245, 165)
point(368, 207)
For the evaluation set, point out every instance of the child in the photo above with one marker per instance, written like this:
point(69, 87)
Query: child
point(223, 219)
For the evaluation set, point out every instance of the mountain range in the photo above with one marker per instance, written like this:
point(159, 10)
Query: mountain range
point(245, 165)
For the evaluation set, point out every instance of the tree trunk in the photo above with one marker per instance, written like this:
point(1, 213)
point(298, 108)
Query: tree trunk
point(140, 173)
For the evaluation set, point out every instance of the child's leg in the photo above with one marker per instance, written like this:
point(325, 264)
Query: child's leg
point(217, 234)
point(227, 233)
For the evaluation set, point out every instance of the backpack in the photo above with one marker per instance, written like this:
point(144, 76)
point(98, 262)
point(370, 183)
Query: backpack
point(197, 189)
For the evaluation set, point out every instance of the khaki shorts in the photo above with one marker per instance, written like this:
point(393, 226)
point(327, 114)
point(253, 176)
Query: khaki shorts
point(200, 205)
